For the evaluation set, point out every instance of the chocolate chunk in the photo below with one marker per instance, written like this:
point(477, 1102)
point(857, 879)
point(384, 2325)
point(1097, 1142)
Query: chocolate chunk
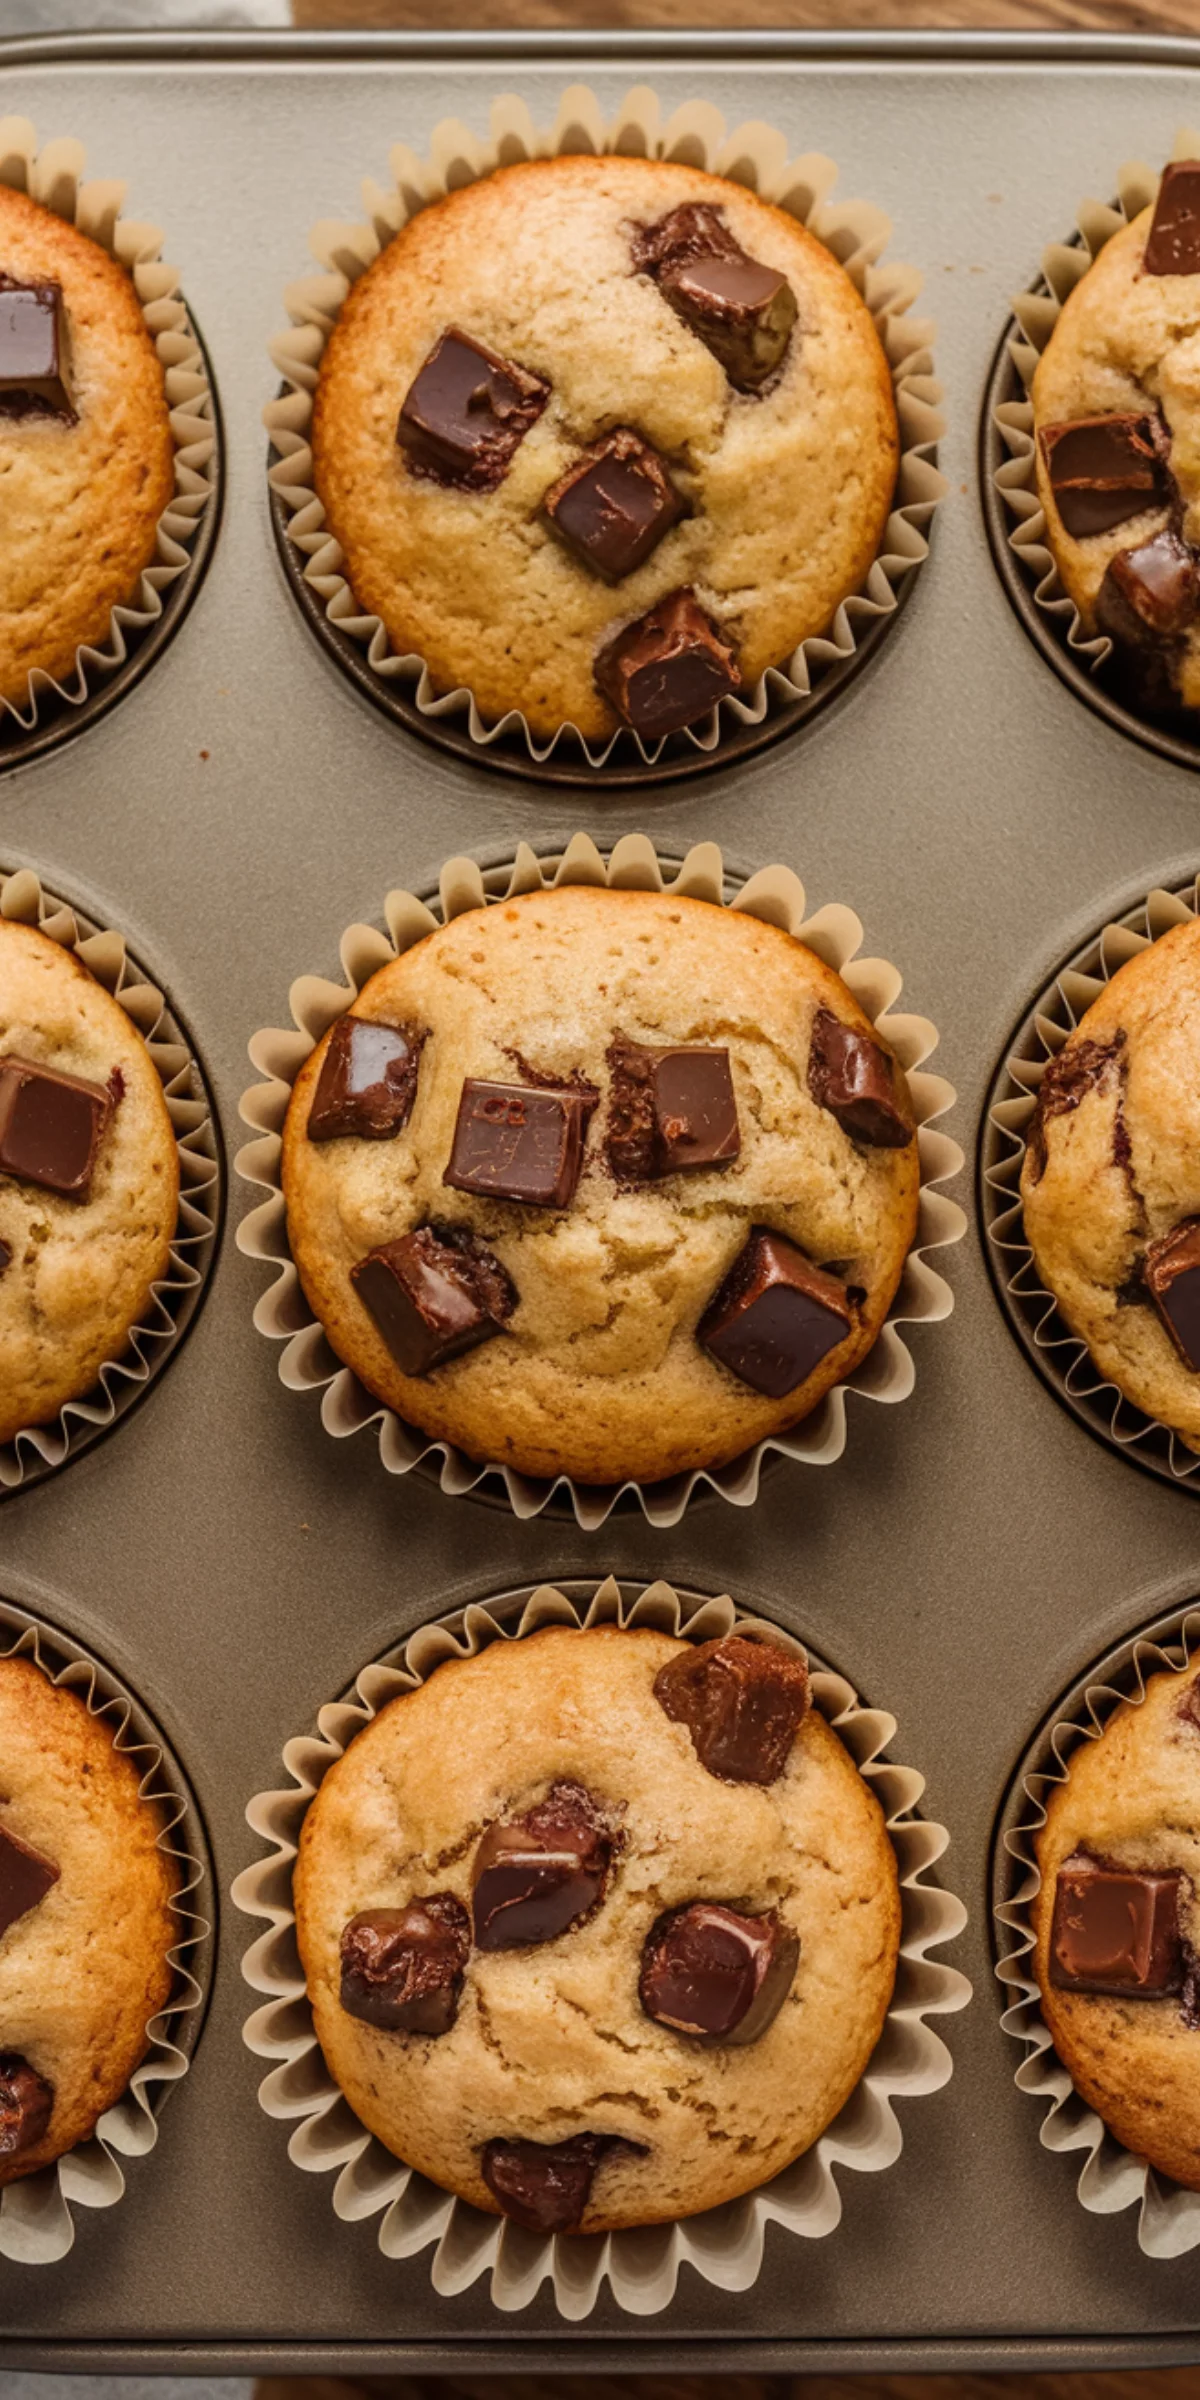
point(5, 1257)
point(1079, 1068)
point(403, 1968)
point(742, 1703)
point(668, 668)
point(858, 1083)
point(693, 231)
point(1172, 1273)
point(26, 2106)
point(669, 1110)
point(535, 1875)
point(742, 311)
point(51, 1127)
point(519, 1142)
point(33, 351)
point(26, 1876)
point(715, 1974)
point(1173, 242)
point(1189, 1706)
point(467, 414)
point(546, 2186)
point(614, 505)
point(368, 1081)
point(1116, 1930)
point(776, 1316)
point(1103, 470)
point(1159, 582)
point(433, 1294)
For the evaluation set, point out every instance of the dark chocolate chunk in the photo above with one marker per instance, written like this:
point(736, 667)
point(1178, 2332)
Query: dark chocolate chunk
point(776, 1316)
point(467, 413)
point(546, 2186)
point(433, 1294)
point(1172, 1273)
point(669, 1110)
point(368, 1081)
point(715, 1974)
point(403, 1968)
point(742, 1703)
point(1116, 1930)
point(668, 668)
point(614, 505)
point(51, 1127)
point(33, 351)
point(1189, 1706)
point(743, 311)
point(1103, 470)
point(1159, 582)
point(1079, 1068)
point(858, 1083)
point(515, 1141)
point(26, 1876)
point(26, 2106)
point(5, 1256)
point(535, 1875)
point(693, 231)
point(1173, 242)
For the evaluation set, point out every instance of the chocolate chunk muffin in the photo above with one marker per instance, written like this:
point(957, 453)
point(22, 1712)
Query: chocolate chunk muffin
point(1117, 1920)
point(89, 1178)
point(86, 456)
point(1110, 1187)
point(85, 1920)
point(600, 1928)
point(639, 1191)
point(602, 439)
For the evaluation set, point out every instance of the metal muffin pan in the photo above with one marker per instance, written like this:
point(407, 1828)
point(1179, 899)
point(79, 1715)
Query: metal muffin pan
point(963, 1564)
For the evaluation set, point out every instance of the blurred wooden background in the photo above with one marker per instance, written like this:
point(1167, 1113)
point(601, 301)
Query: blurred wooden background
point(1106, 16)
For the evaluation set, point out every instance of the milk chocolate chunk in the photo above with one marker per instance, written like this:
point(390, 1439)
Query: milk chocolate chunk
point(546, 2186)
point(403, 1968)
point(1172, 1274)
point(693, 231)
point(1103, 470)
point(522, 1142)
point(535, 1875)
point(1158, 583)
point(467, 413)
point(26, 1876)
point(1116, 1930)
point(715, 1974)
point(33, 351)
point(614, 505)
point(433, 1294)
point(858, 1083)
point(51, 1127)
point(742, 1703)
point(776, 1316)
point(368, 1081)
point(668, 668)
point(26, 2105)
point(5, 1256)
point(742, 311)
point(1173, 242)
point(1081, 1067)
point(669, 1110)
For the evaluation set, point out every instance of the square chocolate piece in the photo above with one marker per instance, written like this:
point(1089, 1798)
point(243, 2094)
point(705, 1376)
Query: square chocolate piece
point(516, 1142)
point(1103, 470)
point(670, 1111)
point(742, 311)
point(51, 1127)
point(856, 1080)
point(33, 346)
point(433, 1294)
point(1172, 1275)
point(368, 1081)
point(1173, 242)
point(467, 413)
point(25, 1878)
point(776, 1316)
point(614, 505)
point(1116, 1930)
point(1152, 592)
point(668, 668)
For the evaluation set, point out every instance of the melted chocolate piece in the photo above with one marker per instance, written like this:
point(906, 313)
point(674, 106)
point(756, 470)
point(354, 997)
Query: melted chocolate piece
point(367, 1083)
point(520, 1142)
point(858, 1083)
point(433, 1294)
point(26, 1876)
point(1103, 470)
point(1079, 1068)
point(536, 1875)
point(1173, 242)
point(776, 1316)
point(669, 1111)
point(5, 1256)
point(614, 505)
point(1116, 1930)
point(693, 231)
point(717, 1975)
point(1189, 1706)
point(668, 668)
point(742, 1703)
point(403, 1968)
point(741, 310)
point(33, 351)
point(467, 414)
point(26, 2106)
point(1172, 1273)
point(546, 2186)
point(51, 1127)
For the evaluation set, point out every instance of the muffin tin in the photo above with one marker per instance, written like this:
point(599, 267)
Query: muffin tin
point(966, 1563)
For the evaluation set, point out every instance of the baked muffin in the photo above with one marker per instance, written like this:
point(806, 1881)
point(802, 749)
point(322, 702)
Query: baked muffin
point(600, 1928)
point(86, 456)
point(89, 1178)
point(85, 1920)
point(601, 1183)
point(1117, 1920)
point(622, 476)
point(1110, 1187)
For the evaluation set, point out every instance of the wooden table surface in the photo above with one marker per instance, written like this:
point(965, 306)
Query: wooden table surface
point(1106, 16)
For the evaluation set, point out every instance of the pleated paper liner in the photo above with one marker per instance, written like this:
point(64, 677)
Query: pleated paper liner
point(308, 1362)
point(724, 2245)
point(38, 1449)
point(1015, 519)
point(1111, 2177)
point(755, 155)
point(37, 2224)
point(53, 712)
point(1060, 1357)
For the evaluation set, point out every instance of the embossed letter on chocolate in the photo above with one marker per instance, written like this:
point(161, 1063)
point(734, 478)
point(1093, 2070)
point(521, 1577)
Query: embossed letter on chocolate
point(715, 1974)
point(467, 413)
point(514, 1141)
point(857, 1082)
point(536, 1875)
point(403, 1968)
point(51, 1127)
point(668, 668)
point(669, 1110)
point(368, 1081)
point(33, 351)
point(1172, 1275)
point(776, 1316)
point(1116, 1930)
point(433, 1294)
point(614, 505)
point(25, 1878)
point(1104, 469)
point(741, 310)
point(26, 2106)
point(1173, 242)
point(742, 1703)
point(546, 2186)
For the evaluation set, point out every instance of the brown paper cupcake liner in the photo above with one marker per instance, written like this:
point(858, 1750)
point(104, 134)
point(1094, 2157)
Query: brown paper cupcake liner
point(755, 154)
point(1111, 2178)
point(724, 2245)
point(36, 2222)
point(834, 933)
point(37, 1449)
